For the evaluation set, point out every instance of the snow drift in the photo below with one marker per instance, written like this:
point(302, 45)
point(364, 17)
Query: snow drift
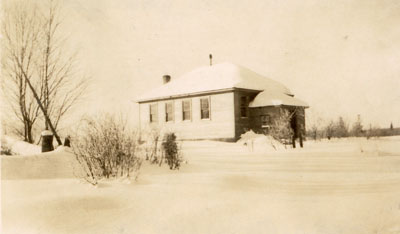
point(60, 163)
point(19, 147)
point(260, 142)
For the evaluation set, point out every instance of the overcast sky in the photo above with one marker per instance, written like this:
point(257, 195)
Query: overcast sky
point(342, 57)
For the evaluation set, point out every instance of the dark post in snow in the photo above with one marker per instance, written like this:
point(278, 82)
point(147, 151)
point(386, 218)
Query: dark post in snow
point(301, 138)
point(300, 130)
point(210, 59)
point(67, 141)
point(47, 141)
point(294, 141)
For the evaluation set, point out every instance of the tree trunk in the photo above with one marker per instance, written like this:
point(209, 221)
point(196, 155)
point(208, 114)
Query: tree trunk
point(26, 130)
point(53, 130)
point(29, 133)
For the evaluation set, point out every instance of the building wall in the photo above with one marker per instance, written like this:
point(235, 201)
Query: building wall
point(256, 113)
point(242, 124)
point(219, 126)
point(274, 112)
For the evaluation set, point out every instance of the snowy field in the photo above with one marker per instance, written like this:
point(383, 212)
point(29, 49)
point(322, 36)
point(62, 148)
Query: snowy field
point(338, 186)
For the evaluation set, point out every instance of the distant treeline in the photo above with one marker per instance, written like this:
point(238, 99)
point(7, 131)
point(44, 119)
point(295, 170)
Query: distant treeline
point(340, 129)
point(385, 132)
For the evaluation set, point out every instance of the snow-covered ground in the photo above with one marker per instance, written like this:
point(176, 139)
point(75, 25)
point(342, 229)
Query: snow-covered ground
point(338, 186)
point(19, 147)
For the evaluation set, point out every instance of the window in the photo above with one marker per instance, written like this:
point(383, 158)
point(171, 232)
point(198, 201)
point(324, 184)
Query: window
point(265, 120)
point(186, 110)
point(243, 106)
point(169, 112)
point(153, 113)
point(205, 108)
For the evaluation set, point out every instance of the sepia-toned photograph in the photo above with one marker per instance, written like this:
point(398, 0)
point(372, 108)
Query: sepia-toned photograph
point(203, 116)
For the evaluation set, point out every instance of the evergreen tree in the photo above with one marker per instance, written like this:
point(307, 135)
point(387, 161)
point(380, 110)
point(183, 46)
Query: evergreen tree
point(357, 129)
point(341, 128)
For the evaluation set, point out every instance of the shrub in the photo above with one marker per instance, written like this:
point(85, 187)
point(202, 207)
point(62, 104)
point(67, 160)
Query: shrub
point(150, 144)
point(280, 127)
point(105, 148)
point(153, 146)
point(171, 151)
point(5, 150)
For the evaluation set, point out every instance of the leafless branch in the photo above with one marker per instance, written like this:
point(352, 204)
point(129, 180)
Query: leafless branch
point(42, 79)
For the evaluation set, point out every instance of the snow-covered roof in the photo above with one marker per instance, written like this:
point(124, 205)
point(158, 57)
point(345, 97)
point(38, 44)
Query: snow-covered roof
point(274, 98)
point(213, 78)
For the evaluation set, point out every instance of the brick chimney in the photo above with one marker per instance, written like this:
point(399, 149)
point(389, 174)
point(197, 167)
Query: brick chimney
point(166, 78)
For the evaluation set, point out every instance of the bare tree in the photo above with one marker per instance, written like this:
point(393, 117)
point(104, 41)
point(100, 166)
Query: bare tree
point(20, 29)
point(62, 86)
point(39, 61)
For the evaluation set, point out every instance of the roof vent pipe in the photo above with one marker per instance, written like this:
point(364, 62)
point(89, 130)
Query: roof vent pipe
point(166, 78)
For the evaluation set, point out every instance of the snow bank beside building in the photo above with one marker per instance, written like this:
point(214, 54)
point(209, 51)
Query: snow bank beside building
point(259, 142)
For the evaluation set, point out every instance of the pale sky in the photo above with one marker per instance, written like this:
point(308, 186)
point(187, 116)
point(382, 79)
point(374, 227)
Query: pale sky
point(341, 57)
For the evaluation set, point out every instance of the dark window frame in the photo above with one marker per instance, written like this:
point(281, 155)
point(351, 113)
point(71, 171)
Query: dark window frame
point(205, 113)
point(169, 117)
point(188, 115)
point(153, 115)
point(244, 106)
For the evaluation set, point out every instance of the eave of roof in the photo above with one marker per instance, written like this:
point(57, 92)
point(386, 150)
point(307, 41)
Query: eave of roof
point(271, 98)
point(217, 91)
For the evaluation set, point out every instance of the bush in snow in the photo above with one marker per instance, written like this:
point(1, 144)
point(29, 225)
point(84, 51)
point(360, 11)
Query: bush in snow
point(151, 145)
point(280, 128)
point(171, 151)
point(5, 150)
point(106, 148)
point(260, 142)
point(158, 147)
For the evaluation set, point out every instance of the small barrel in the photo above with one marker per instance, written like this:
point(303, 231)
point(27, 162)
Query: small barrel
point(47, 141)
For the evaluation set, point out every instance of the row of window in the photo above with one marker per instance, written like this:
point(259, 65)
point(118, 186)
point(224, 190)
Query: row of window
point(186, 110)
